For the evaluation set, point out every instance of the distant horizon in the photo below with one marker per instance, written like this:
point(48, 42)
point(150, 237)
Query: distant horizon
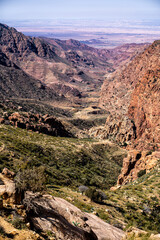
point(135, 21)
point(84, 9)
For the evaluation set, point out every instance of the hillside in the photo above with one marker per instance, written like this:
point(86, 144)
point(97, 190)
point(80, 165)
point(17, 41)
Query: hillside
point(15, 83)
point(67, 161)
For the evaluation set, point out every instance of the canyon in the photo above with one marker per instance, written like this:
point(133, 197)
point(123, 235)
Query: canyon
point(86, 116)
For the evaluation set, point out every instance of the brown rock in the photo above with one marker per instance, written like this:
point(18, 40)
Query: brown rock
point(8, 173)
point(135, 91)
point(134, 163)
point(8, 190)
point(67, 221)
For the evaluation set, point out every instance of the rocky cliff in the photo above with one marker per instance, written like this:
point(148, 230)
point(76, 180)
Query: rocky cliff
point(133, 92)
point(132, 98)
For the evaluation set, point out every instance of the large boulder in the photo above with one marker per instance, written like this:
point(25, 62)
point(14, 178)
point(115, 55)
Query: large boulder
point(65, 220)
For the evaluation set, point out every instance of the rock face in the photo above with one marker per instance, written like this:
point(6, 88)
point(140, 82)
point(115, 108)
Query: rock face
point(65, 220)
point(118, 129)
point(134, 93)
point(8, 189)
point(35, 122)
point(132, 98)
point(144, 110)
point(135, 162)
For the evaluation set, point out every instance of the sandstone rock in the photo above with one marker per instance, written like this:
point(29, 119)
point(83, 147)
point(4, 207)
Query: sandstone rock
point(133, 92)
point(134, 163)
point(103, 230)
point(37, 123)
point(57, 215)
point(8, 190)
point(144, 110)
point(7, 173)
point(65, 220)
point(117, 129)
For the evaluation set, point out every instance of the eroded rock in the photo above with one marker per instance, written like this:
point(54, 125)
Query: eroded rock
point(135, 162)
point(65, 220)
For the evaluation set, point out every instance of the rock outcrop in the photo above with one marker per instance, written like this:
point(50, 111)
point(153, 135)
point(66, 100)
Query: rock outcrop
point(136, 162)
point(134, 93)
point(118, 129)
point(8, 190)
point(66, 221)
point(35, 122)
point(144, 110)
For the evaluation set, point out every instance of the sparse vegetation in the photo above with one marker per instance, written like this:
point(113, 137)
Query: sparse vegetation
point(67, 161)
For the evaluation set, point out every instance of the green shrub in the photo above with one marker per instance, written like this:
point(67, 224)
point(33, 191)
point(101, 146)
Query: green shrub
point(31, 179)
point(95, 195)
point(18, 223)
point(141, 173)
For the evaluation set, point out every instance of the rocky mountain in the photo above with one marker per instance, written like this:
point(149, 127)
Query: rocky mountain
point(132, 94)
point(131, 97)
point(71, 67)
point(45, 62)
point(15, 83)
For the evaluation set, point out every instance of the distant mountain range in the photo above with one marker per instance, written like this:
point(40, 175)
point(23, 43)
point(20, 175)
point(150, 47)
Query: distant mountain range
point(69, 67)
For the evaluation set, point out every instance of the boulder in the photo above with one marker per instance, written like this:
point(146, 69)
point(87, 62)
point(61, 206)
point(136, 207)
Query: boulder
point(8, 190)
point(65, 220)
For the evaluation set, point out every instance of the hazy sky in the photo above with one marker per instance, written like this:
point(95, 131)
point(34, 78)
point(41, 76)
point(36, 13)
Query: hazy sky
point(77, 9)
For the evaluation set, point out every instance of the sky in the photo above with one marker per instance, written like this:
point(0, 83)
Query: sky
point(79, 9)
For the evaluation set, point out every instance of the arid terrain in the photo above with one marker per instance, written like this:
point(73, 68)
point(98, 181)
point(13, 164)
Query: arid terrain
point(79, 139)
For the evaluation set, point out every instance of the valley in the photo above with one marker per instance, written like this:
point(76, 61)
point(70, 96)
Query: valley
point(73, 115)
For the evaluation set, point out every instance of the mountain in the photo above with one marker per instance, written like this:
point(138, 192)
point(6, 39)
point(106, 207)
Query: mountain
point(132, 94)
point(15, 83)
point(72, 68)
point(46, 63)
point(131, 97)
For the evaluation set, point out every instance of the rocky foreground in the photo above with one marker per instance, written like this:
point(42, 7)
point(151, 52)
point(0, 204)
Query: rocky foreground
point(51, 214)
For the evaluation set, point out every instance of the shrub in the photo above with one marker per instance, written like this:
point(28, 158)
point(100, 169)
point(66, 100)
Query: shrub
point(31, 179)
point(141, 173)
point(18, 223)
point(95, 195)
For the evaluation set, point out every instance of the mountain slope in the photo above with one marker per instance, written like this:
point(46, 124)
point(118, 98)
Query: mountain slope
point(15, 83)
point(70, 67)
point(133, 93)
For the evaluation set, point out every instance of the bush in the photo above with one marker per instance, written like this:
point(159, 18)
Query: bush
point(95, 195)
point(31, 179)
point(141, 173)
point(18, 223)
